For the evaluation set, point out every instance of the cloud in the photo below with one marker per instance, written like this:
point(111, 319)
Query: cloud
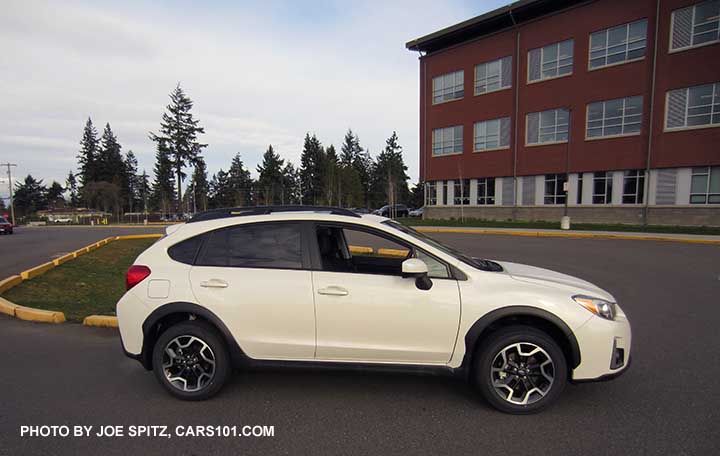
point(259, 73)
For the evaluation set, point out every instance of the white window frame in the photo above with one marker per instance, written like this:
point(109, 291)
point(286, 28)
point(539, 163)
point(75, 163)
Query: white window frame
point(604, 119)
point(442, 132)
point(627, 46)
point(499, 76)
point(713, 112)
point(639, 195)
point(460, 196)
point(557, 60)
point(485, 191)
point(555, 126)
point(455, 86)
point(431, 193)
point(483, 124)
point(607, 183)
point(559, 195)
point(692, 30)
point(706, 194)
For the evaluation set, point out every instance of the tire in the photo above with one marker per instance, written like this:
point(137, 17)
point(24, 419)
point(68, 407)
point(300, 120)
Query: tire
point(512, 373)
point(195, 344)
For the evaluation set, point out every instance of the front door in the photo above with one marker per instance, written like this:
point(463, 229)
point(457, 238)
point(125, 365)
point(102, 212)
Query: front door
point(366, 310)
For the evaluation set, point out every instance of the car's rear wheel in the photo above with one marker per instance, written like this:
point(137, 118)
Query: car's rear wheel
point(191, 361)
point(520, 370)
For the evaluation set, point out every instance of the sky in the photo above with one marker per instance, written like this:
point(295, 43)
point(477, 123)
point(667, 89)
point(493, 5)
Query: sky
point(259, 73)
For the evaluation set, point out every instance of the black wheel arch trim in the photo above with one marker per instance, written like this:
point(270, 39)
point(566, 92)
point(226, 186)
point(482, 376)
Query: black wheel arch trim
point(477, 330)
point(237, 355)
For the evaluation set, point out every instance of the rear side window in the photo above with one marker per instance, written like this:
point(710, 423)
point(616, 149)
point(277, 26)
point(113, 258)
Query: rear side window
point(185, 251)
point(266, 245)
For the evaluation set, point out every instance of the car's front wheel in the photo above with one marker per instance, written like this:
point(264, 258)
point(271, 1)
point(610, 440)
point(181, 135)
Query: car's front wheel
point(519, 369)
point(191, 360)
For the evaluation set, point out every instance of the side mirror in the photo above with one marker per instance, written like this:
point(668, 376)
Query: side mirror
point(414, 267)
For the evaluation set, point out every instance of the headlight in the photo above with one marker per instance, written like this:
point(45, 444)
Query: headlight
point(599, 307)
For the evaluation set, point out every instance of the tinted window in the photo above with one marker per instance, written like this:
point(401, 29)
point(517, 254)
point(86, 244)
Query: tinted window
point(185, 251)
point(2, 220)
point(254, 246)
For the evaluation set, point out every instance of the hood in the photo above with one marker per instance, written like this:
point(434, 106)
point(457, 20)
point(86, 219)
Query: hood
point(574, 285)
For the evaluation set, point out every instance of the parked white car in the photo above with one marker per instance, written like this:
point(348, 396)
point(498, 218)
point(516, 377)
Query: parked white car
point(305, 285)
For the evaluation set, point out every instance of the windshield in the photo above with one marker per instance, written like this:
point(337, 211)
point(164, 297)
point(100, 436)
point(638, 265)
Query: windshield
point(2, 220)
point(485, 265)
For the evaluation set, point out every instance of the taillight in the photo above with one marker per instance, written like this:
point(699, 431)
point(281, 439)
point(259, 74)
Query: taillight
point(135, 275)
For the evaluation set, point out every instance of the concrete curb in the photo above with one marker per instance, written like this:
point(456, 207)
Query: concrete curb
point(51, 316)
point(577, 235)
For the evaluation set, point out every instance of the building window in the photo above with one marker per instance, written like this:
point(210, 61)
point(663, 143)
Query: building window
point(602, 188)
point(431, 193)
point(693, 107)
point(618, 44)
point(705, 186)
point(492, 76)
point(486, 191)
point(461, 194)
point(547, 126)
point(633, 186)
point(579, 188)
point(614, 117)
point(491, 134)
point(695, 25)
point(444, 185)
point(447, 141)
point(555, 188)
point(550, 61)
point(448, 87)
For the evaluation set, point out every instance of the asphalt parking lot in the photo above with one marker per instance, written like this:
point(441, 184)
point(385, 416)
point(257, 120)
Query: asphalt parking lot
point(666, 404)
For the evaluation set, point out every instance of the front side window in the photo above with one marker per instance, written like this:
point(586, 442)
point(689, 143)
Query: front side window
point(602, 188)
point(550, 61)
point(447, 141)
point(494, 75)
point(491, 134)
point(548, 126)
point(263, 245)
point(693, 107)
point(486, 191)
point(431, 191)
point(705, 185)
point(461, 195)
point(622, 116)
point(555, 188)
point(695, 25)
point(618, 44)
point(448, 87)
point(633, 186)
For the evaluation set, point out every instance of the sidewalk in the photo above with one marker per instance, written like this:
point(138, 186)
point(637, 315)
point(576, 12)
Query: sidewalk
point(534, 232)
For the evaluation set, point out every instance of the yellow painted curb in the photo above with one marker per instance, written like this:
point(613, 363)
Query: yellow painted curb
point(103, 321)
point(39, 315)
point(139, 236)
point(361, 249)
point(63, 259)
point(578, 235)
point(37, 270)
point(10, 282)
point(393, 253)
point(7, 307)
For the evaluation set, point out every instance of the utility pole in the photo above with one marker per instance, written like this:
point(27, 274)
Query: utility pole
point(10, 187)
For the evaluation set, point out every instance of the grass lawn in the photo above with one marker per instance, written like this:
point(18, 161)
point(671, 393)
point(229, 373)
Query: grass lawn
point(88, 285)
point(477, 223)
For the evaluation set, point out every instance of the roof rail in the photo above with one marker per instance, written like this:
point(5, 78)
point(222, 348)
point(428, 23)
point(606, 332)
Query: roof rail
point(226, 212)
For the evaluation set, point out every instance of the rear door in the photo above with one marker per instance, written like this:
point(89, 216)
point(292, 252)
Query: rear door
point(255, 277)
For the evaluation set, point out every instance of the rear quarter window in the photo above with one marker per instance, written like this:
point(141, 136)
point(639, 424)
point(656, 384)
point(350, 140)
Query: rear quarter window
point(185, 251)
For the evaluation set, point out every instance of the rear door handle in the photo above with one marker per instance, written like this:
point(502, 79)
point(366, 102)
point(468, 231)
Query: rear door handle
point(333, 291)
point(214, 283)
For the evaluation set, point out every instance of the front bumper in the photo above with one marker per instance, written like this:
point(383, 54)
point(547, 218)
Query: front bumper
point(604, 347)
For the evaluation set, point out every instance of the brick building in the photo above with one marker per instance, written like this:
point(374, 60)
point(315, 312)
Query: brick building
point(610, 107)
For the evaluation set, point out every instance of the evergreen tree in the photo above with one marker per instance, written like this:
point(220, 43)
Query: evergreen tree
point(417, 195)
point(291, 189)
point(29, 196)
point(331, 177)
point(163, 191)
point(144, 191)
point(131, 181)
point(200, 185)
point(72, 188)
point(110, 164)
point(389, 175)
point(312, 170)
point(179, 131)
point(221, 193)
point(3, 208)
point(88, 155)
point(241, 184)
point(54, 195)
point(270, 181)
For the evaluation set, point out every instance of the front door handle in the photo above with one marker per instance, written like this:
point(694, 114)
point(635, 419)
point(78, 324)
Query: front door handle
point(333, 291)
point(214, 283)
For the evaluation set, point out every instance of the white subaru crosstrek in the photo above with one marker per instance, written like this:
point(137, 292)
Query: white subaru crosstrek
point(300, 285)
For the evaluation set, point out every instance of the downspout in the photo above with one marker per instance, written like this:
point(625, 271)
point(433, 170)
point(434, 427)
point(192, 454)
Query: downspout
point(515, 115)
point(423, 107)
point(646, 182)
